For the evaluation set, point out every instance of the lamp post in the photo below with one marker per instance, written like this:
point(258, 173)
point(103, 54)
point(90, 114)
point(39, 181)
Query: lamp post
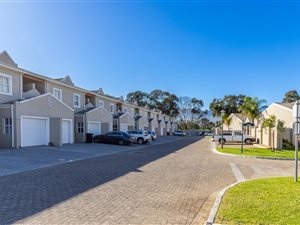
point(296, 114)
point(222, 114)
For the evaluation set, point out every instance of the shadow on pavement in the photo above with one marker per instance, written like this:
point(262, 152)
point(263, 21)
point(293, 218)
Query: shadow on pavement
point(25, 194)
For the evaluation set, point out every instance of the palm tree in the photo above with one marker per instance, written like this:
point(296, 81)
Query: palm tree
point(227, 120)
point(252, 107)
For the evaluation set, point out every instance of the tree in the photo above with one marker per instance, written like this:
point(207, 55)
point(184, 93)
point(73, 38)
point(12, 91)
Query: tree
point(280, 129)
point(252, 107)
point(163, 101)
point(270, 123)
point(229, 103)
point(290, 96)
point(227, 120)
point(138, 97)
point(190, 110)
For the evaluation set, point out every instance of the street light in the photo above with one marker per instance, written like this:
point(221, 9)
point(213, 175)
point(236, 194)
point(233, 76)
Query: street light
point(222, 114)
point(296, 114)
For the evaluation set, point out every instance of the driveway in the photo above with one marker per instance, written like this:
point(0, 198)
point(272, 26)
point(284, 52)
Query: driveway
point(167, 183)
point(20, 160)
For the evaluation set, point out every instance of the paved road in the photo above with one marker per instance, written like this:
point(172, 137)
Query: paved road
point(29, 158)
point(160, 184)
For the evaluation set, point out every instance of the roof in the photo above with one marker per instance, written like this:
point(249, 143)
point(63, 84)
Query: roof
point(288, 105)
point(6, 60)
point(241, 116)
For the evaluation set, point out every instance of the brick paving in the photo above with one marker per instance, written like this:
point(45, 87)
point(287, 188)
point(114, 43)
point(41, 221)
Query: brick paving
point(162, 184)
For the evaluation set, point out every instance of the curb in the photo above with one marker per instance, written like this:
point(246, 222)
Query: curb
point(215, 208)
point(214, 150)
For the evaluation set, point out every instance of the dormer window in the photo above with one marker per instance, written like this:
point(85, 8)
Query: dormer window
point(5, 84)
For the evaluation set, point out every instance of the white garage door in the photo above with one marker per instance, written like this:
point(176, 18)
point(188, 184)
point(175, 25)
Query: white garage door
point(34, 131)
point(123, 127)
point(66, 132)
point(94, 128)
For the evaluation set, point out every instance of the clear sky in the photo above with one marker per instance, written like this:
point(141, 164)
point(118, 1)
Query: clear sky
point(200, 49)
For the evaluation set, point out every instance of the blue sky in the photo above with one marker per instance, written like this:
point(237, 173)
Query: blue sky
point(200, 49)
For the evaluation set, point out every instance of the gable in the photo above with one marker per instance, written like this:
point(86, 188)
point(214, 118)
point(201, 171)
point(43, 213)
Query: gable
point(6, 59)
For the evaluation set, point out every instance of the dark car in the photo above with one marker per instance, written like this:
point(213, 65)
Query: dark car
point(115, 137)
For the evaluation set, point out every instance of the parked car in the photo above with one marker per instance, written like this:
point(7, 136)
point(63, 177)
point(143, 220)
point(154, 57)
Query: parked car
point(179, 133)
point(115, 137)
point(153, 135)
point(234, 136)
point(209, 134)
point(141, 136)
point(201, 133)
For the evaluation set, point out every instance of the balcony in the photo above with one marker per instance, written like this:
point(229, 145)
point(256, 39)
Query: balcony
point(33, 86)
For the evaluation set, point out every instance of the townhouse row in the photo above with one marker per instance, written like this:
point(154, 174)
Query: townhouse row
point(38, 110)
point(265, 136)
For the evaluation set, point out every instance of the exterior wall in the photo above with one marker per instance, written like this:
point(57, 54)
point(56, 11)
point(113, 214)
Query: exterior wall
point(79, 137)
point(105, 128)
point(67, 95)
point(106, 103)
point(42, 106)
point(16, 87)
point(56, 131)
point(284, 114)
point(143, 122)
point(5, 139)
point(100, 115)
point(236, 124)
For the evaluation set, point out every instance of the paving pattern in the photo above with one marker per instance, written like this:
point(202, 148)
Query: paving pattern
point(160, 184)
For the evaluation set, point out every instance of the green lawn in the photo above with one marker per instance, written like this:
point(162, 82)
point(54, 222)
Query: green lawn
point(259, 152)
point(273, 201)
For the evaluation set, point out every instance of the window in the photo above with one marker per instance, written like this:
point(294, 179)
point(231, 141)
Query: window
point(80, 129)
point(5, 84)
point(7, 125)
point(76, 100)
point(100, 103)
point(57, 93)
point(112, 108)
point(115, 124)
point(125, 110)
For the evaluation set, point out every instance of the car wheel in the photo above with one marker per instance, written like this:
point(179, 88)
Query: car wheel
point(121, 142)
point(248, 141)
point(140, 141)
point(222, 140)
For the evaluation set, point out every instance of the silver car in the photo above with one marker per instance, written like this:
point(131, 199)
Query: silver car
point(141, 136)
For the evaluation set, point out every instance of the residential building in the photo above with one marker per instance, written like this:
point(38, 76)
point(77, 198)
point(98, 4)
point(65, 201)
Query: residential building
point(39, 110)
point(282, 112)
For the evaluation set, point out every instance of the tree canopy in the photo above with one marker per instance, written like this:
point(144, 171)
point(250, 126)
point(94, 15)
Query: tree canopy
point(252, 107)
point(229, 103)
point(290, 96)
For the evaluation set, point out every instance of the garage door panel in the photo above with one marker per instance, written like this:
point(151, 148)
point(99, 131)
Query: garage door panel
point(94, 128)
point(66, 132)
point(34, 131)
point(124, 127)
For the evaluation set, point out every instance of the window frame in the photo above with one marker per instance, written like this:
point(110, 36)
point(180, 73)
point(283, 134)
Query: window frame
point(79, 98)
point(9, 84)
point(80, 128)
point(112, 108)
point(60, 91)
point(7, 126)
point(101, 103)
